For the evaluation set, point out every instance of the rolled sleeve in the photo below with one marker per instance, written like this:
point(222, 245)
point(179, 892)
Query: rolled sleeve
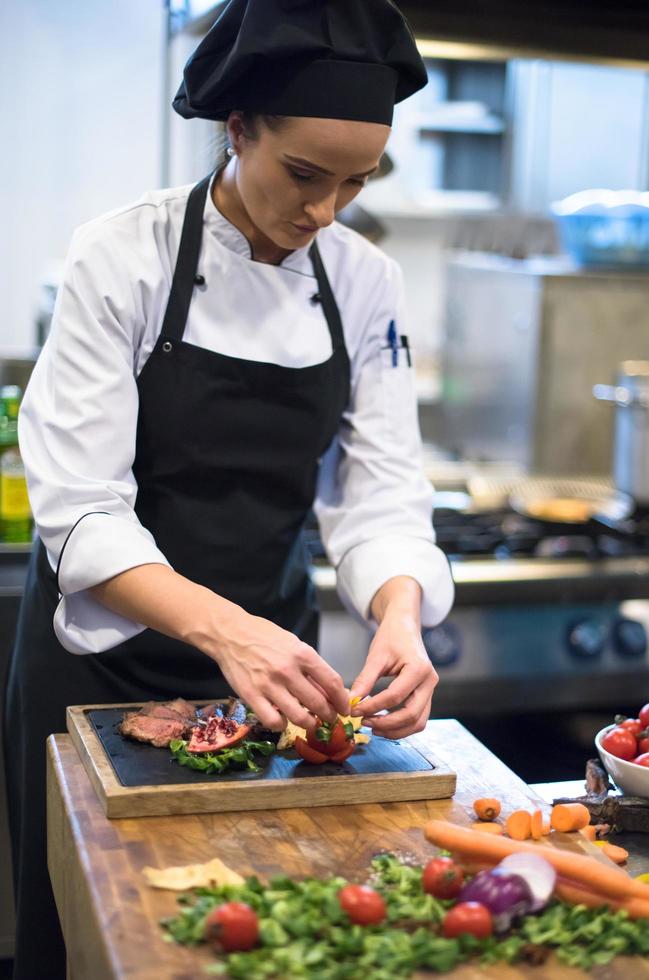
point(101, 546)
point(367, 567)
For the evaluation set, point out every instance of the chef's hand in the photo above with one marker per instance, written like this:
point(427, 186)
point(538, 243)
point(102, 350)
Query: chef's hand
point(396, 651)
point(270, 669)
point(278, 675)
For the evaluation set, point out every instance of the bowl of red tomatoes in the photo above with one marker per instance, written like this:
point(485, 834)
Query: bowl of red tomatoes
point(624, 750)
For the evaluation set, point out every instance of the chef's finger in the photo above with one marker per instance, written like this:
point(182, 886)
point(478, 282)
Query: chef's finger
point(329, 680)
point(410, 677)
point(406, 714)
point(365, 682)
point(401, 731)
point(408, 711)
point(267, 713)
point(309, 693)
point(291, 708)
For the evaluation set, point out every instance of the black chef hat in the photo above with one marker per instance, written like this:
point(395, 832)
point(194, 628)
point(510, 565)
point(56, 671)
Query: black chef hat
point(333, 59)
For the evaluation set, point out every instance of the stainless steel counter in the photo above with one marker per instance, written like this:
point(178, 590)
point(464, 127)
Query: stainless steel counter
point(536, 580)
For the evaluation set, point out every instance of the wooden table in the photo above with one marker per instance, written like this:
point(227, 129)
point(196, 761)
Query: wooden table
point(110, 916)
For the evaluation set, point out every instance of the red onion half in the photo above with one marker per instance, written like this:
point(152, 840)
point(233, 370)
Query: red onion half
point(539, 874)
point(505, 894)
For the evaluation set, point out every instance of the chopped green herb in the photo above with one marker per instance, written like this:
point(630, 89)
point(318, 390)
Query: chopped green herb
point(305, 934)
point(241, 756)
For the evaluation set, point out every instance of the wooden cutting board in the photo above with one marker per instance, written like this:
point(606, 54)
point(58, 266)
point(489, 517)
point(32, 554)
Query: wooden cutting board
point(111, 917)
point(132, 779)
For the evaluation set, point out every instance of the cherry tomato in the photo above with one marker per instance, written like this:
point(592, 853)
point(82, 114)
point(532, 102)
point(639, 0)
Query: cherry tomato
point(344, 752)
point(337, 739)
point(443, 878)
point(633, 725)
point(363, 905)
point(310, 755)
point(620, 743)
point(468, 917)
point(643, 743)
point(643, 715)
point(234, 926)
point(642, 760)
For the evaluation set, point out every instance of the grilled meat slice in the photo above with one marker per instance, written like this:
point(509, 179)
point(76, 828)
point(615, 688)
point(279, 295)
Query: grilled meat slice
point(156, 709)
point(184, 708)
point(158, 722)
point(152, 729)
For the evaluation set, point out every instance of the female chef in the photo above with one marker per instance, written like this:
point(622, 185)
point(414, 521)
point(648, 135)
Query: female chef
point(222, 359)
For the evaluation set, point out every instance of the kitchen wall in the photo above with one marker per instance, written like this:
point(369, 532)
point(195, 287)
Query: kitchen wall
point(571, 126)
point(80, 113)
point(84, 104)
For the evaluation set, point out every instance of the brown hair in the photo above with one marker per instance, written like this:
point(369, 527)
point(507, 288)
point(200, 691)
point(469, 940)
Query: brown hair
point(251, 122)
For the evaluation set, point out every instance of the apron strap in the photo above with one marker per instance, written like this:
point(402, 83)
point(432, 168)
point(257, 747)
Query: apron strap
point(329, 305)
point(182, 287)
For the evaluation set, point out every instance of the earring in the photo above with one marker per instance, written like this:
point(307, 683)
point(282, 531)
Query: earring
point(230, 152)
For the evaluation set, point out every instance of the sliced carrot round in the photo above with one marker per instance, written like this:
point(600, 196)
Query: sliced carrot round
point(488, 827)
point(519, 825)
point(536, 825)
point(569, 816)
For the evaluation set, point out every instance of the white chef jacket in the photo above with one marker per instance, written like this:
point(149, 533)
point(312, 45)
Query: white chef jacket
point(78, 419)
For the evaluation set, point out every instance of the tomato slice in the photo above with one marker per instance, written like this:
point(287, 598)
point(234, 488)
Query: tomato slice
point(309, 754)
point(334, 743)
point(344, 753)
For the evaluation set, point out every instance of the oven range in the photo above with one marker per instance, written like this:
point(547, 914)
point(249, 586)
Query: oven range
point(546, 617)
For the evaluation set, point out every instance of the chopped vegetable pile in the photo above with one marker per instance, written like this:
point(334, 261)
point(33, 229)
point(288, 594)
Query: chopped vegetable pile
point(304, 931)
point(240, 756)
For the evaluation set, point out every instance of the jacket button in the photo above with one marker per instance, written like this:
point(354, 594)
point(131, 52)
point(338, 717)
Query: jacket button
point(167, 346)
point(316, 298)
point(199, 280)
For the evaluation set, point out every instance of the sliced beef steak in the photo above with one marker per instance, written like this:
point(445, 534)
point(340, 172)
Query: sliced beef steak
point(158, 722)
point(209, 729)
point(184, 708)
point(152, 729)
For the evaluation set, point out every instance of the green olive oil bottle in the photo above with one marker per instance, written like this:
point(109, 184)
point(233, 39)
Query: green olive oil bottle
point(16, 520)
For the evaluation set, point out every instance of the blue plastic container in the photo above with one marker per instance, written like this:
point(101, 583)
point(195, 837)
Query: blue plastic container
point(605, 228)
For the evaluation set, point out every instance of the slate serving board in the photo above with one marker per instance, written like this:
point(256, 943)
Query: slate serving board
point(134, 779)
point(137, 764)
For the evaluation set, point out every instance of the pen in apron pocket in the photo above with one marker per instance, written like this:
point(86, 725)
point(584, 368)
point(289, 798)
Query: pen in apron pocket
point(393, 342)
point(406, 347)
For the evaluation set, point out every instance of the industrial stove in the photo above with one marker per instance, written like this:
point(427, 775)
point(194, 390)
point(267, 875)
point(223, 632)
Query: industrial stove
point(547, 617)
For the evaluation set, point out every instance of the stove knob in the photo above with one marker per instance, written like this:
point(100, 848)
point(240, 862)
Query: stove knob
point(586, 638)
point(629, 637)
point(443, 644)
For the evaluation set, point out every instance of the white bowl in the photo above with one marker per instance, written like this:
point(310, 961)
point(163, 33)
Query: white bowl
point(627, 776)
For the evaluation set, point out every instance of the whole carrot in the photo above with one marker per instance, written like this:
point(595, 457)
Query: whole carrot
point(576, 894)
point(493, 848)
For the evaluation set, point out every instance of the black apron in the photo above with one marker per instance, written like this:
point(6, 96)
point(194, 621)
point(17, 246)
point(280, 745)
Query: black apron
point(226, 462)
